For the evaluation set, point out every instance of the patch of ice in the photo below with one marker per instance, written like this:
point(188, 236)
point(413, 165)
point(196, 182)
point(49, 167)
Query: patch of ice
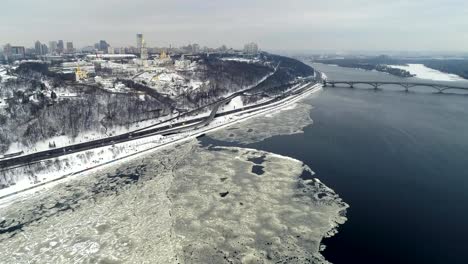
point(288, 120)
point(174, 206)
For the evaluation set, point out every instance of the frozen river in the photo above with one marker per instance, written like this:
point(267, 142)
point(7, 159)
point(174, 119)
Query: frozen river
point(399, 160)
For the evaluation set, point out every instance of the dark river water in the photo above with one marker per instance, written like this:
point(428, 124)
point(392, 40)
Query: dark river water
point(400, 160)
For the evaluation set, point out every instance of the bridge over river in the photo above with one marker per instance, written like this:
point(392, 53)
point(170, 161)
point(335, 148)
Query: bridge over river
point(377, 85)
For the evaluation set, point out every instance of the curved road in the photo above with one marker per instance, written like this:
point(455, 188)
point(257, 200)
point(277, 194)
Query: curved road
point(12, 162)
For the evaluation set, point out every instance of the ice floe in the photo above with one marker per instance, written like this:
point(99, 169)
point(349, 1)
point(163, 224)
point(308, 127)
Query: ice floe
point(186, 204)
point(286, 121)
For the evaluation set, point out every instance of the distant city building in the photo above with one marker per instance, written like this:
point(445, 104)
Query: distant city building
point(139, 40)
point(13, 52)
point(88, 49)
point(110, 56)
point(44, 49)
point(110, 50)
point(38, 48)
point(60, 46)
point(70, 48)
point(251, 48)
point(223, 48)
point(53, 46)
point(144, 51)
point(7, 52)
point(103, 46)
point(18, 51)
point(195, 48)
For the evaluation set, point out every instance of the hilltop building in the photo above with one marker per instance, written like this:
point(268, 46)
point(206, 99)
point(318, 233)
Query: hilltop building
point(80, 74)
point(251, 48)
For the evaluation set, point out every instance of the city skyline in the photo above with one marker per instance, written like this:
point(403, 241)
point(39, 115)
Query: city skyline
point(274, 25)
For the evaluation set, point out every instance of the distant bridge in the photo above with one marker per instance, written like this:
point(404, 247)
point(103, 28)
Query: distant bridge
point(438, 88)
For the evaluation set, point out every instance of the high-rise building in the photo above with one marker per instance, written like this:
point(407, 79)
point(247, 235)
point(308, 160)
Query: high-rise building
point(53, 46)
point(103, 46)
point(13, 52)
point(44, 49)
point(7, 52)
point(251, 48)
point(38, 48)
point(195, 48)
point(70, 48)
point(139, 40)
point(18, 51)
point(60, 46)
point(143, 51)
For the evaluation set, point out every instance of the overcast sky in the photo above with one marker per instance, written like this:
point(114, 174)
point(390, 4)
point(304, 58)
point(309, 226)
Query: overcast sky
point(403, 25)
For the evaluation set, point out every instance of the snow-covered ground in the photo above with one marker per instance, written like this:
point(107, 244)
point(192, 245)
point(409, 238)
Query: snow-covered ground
point(4, 76)
point(63, 141)
point(54, 169)
point(423, 72)
point(169, 206)
point(324, 76)
point(168, 81)
point(234, 104)
point(3, 103)
point(241, 59)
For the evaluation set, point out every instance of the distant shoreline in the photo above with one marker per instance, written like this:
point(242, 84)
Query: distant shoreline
point(456, 70)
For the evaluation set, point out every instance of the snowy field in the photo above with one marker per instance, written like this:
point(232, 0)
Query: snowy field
point(423, 72)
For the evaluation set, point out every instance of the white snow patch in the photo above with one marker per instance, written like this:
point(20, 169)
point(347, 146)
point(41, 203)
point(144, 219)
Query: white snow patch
point(234, 104)
point(4, 75)
point(423, 72)
point(324, 76)
point(241, 60)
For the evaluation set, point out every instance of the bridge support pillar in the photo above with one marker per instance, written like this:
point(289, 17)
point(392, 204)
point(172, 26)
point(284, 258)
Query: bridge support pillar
point(406, 88)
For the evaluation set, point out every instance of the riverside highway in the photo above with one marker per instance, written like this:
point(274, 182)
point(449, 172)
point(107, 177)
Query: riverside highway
point(195, 123)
